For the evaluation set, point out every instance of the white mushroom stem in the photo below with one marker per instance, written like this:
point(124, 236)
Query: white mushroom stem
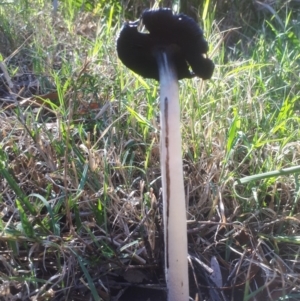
point(174, 209)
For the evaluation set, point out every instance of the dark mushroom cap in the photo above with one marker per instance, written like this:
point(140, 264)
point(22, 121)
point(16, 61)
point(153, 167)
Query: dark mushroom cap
point(178, 35)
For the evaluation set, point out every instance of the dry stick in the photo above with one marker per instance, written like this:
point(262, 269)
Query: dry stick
point(174, 209)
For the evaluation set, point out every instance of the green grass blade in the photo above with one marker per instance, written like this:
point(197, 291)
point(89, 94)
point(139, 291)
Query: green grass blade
point(15, 187)
point(54, 225)
point(82, 263)
point(270, 174)
point(26, 224)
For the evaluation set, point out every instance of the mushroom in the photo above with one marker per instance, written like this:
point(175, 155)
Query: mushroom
point(174, 44)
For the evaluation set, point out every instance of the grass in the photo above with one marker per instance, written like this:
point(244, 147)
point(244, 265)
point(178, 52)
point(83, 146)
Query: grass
point(79, 160)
